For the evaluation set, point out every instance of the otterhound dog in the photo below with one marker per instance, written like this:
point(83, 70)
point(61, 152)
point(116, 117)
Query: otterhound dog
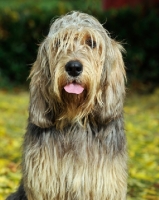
point(74, 147)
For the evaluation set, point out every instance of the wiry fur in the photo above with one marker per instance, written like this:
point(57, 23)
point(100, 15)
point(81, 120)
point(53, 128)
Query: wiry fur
point(74, 147)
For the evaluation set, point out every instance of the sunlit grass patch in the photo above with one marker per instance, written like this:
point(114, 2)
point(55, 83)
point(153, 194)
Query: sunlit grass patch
point(142, 129)
point(13, 118)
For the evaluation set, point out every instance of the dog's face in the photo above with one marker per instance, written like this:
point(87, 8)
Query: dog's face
point(78, 71)
point(76, 58)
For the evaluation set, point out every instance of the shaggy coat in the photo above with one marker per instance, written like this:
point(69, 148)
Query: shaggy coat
point(74, 147)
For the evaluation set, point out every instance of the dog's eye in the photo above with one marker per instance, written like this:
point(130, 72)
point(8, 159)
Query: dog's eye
point(91, 43)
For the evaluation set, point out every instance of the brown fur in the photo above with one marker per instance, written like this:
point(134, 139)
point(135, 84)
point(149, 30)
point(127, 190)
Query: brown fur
point(75, 145)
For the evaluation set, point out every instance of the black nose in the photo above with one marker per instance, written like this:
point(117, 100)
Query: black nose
point(74, 68)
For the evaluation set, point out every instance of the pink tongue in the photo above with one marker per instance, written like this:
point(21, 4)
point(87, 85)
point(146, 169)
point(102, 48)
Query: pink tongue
point(74, 88)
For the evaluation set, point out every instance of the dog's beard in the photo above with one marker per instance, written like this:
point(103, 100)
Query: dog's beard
point(72, 100)
point(75, 107)
point(72, 108)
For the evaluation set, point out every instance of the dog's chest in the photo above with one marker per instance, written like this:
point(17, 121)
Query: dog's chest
point(71, 167)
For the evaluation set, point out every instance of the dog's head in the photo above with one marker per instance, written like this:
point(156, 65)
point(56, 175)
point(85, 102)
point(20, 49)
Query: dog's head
point(79, 74)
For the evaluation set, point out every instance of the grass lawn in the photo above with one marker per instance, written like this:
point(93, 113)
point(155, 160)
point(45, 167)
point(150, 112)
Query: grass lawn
point(142, 130)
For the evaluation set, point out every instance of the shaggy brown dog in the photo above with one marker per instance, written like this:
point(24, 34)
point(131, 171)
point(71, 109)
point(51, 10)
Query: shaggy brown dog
point(74, 147)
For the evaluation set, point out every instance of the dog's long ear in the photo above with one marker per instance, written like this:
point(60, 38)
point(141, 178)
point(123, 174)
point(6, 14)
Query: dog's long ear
point(39, 89)
point(113, 83)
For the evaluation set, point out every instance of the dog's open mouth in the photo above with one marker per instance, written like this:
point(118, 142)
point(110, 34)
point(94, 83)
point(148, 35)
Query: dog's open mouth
point(74, 88)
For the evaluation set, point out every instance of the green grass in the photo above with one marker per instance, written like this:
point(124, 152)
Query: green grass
point(142, 130)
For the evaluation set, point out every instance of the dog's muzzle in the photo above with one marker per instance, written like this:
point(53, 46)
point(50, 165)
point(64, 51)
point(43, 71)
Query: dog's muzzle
point(74, 68)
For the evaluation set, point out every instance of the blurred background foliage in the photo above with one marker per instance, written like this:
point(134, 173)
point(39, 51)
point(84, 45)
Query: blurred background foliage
point(23, 26)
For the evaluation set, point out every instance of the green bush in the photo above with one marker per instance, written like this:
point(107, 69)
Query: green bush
point(22, 29)
point(139, 30)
